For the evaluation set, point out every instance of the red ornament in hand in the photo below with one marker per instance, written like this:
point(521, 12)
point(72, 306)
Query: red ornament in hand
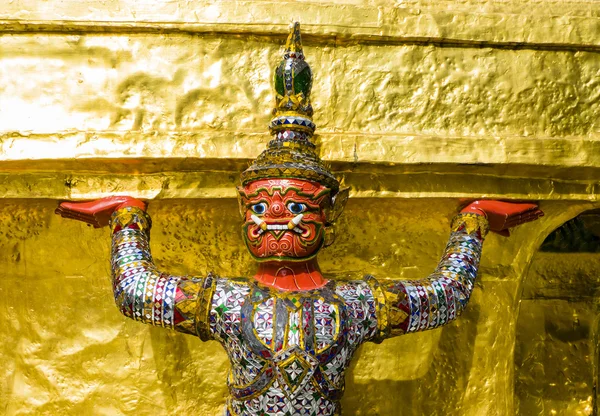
point(504, 215)
point(98, 212)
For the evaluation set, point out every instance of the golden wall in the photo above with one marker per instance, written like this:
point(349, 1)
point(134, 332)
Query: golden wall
point(418, 104)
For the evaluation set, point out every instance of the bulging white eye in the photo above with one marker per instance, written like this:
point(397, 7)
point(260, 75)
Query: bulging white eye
point(259, 208)
point(296, 208)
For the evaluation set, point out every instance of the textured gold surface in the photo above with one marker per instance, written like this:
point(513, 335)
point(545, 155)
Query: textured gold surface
point(206, 97)
point(147, 82)
point(419, 104)
point(547, 23)
point(556, 352)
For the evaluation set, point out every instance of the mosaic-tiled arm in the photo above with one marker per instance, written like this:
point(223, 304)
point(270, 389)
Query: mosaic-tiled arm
point(417, 305)
point(145, 294)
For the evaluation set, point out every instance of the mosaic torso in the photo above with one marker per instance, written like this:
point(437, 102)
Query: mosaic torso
point(289, 350)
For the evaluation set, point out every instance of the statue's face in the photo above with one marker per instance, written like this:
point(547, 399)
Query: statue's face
point(284, 219)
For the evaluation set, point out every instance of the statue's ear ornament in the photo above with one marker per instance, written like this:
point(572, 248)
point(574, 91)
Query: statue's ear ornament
point(240, 197)
point(338, 203)
point(329, 235)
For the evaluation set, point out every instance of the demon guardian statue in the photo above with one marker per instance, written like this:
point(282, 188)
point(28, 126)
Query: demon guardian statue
point(290, 333)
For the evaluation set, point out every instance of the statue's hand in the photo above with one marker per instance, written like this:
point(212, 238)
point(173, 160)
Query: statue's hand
point(98, 212)
point(504, 215)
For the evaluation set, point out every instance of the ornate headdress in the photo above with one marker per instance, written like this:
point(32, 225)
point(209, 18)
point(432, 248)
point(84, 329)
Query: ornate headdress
point(291, 154)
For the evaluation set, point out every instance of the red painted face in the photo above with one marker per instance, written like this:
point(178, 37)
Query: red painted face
point(284, 219)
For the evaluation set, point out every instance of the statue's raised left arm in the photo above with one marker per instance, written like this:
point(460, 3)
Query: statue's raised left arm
point(417, 305)
point(142, 292)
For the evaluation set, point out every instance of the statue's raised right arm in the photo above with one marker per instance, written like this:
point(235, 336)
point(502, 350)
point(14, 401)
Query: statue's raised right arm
point(417, 305)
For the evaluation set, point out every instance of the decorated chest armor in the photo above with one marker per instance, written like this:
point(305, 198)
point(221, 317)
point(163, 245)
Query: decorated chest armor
point(287, 349)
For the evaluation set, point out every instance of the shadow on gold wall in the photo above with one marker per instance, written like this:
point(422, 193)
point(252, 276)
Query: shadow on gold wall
point(440, 391)
point(556, 350)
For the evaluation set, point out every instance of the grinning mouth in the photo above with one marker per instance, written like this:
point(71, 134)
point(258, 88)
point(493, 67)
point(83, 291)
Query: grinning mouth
point(293, 225)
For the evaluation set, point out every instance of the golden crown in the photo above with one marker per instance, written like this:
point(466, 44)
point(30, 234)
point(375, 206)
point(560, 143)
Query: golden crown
point(291, 153)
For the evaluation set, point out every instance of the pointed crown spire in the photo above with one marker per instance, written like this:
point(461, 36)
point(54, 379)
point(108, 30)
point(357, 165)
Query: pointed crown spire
point(293, 82)
point(294, 42)
point(291, 153)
